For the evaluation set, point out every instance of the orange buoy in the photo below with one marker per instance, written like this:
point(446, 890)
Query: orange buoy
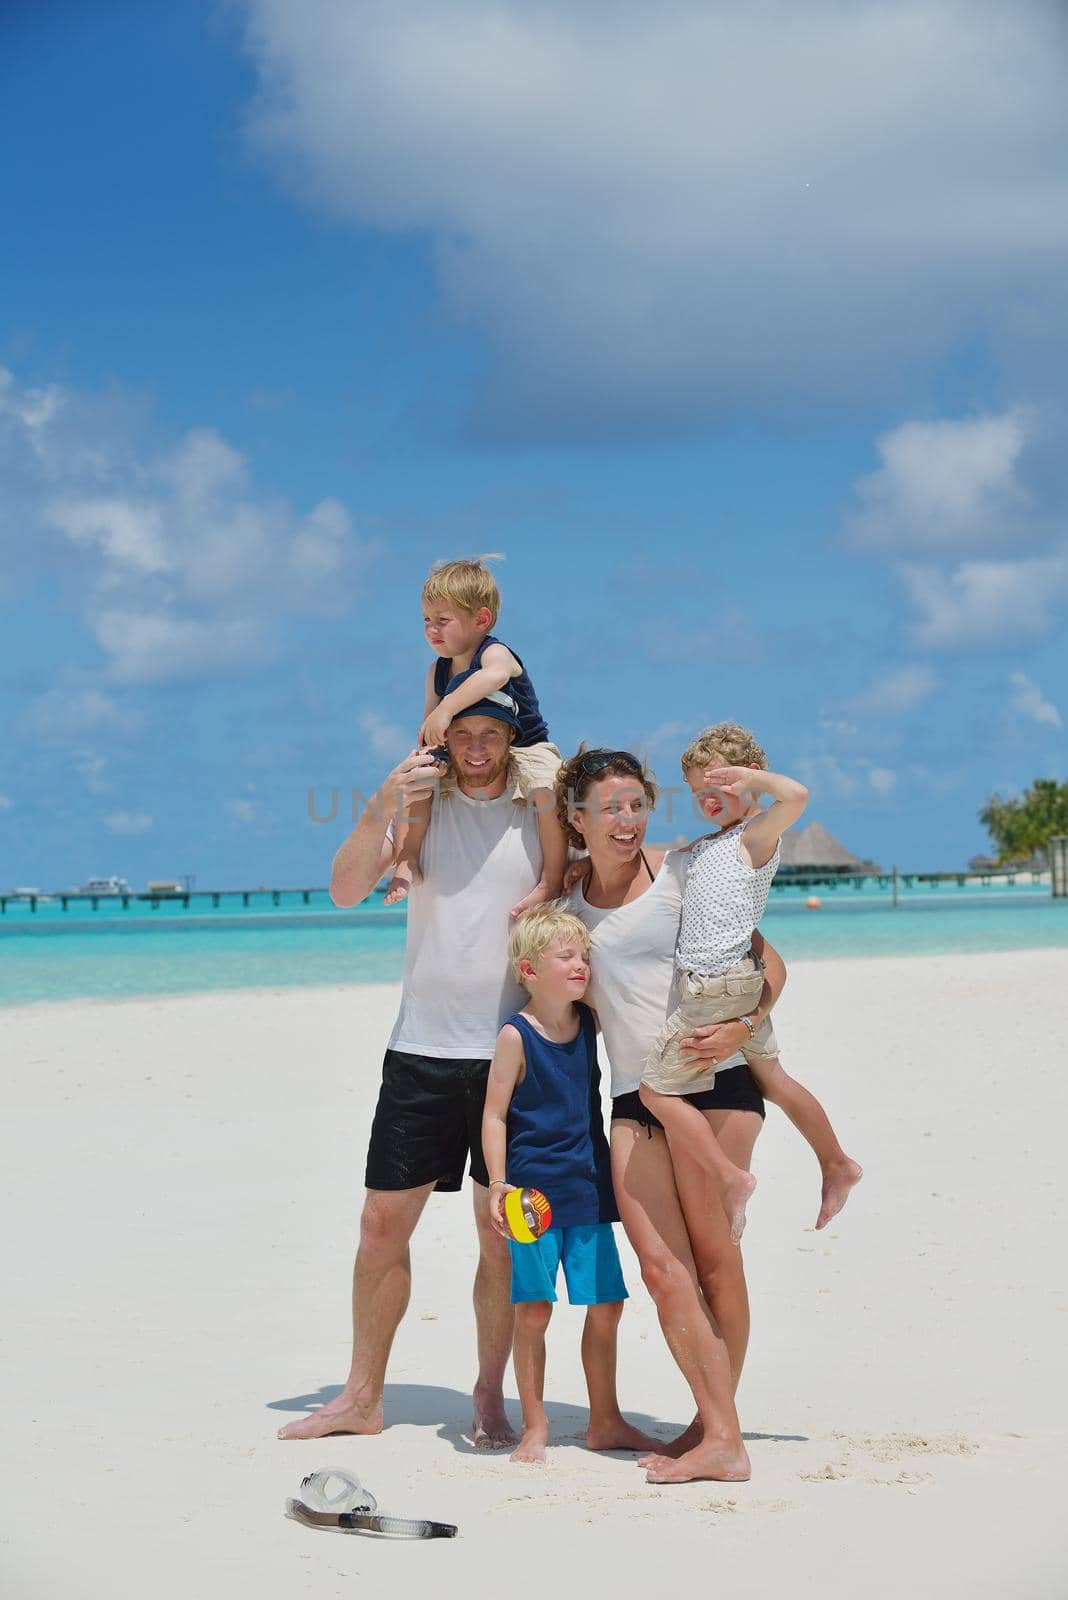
point(813, 902)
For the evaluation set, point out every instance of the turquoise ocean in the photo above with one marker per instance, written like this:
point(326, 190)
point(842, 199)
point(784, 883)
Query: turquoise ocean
point(112, 953)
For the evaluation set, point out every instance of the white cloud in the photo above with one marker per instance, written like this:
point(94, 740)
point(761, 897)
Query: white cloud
point(945, 485)
point(128, 822)
point(6, 802)
point(985, 604)
point(842, 777)
point(894, 693)
point(657, 211)
point(68, 713)
point(1029, 701)
point(882, 780)
point(177, 563)
point(243, 810)
point(386, 738)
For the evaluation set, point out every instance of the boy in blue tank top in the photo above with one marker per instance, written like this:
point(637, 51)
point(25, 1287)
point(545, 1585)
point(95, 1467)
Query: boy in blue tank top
point(461, 603)
point(542, 1128)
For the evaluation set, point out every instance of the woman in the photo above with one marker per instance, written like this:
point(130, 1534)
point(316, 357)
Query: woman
point(631, 902)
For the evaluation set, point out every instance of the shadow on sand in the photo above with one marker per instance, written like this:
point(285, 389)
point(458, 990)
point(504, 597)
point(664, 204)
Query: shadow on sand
point(425, 1405)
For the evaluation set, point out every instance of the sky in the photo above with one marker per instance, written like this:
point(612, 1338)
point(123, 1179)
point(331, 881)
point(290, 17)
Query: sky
point(739, 331)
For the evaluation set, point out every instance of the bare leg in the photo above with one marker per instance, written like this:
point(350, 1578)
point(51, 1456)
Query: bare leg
point(689, 1133)
point(381, 1284)
point(531, 1321)
point(410, 835)
point(718, 1258)
point(652, 1216)
point(494, 1323)
point(840, 1173)
point(553, 851)
point(608, 1428)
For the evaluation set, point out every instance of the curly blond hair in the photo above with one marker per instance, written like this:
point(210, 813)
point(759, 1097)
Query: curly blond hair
point(533, 934)
point(726, 745)
point(573, 783)
point(468, 584)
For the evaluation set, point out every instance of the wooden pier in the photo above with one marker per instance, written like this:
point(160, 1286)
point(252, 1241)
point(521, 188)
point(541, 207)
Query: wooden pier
point(68, 897)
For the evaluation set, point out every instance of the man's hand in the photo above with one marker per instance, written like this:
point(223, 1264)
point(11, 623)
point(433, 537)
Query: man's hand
point(411, 779)
point(706, 1047)
point(435, 727)
point(576, 872)
point(497, 1194)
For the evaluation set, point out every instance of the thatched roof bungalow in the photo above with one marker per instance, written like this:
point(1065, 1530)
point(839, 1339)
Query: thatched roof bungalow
point(815, 849)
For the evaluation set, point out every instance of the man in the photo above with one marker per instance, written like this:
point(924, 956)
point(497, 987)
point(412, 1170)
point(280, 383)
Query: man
point(481, 854)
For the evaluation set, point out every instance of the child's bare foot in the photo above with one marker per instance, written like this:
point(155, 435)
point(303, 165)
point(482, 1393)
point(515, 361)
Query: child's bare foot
point(538, 896)
point(401, 882)
point(735, 1196)
point(839, 1177)
point(618, 1434)
point(531, 1447)
point(714, 1459)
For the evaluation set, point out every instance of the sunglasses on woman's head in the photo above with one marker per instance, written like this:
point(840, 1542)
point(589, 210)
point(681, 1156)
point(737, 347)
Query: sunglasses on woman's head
point(599, 760)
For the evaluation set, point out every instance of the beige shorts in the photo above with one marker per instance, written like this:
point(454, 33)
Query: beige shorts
point(705, 1000)
point(531, 767)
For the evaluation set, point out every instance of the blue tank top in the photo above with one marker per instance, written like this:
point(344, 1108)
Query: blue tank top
point(532, 726)
point(556, 1139)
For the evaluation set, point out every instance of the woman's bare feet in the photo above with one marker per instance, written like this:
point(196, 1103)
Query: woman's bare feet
point(722, 1462)
point(342, 1415)
point(839, 1177)
point(735, 1196)
point(686, 1441)
point(616, 1433)
point(531, 1447)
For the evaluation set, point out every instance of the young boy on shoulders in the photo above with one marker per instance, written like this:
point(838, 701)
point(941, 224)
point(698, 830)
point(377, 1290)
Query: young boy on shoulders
point(542, 1128)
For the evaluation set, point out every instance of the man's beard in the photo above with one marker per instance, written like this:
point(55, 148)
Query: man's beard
point(484, 776)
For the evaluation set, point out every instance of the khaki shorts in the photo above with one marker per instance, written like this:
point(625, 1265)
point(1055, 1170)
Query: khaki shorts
point(704, 1000)
point(530, 767)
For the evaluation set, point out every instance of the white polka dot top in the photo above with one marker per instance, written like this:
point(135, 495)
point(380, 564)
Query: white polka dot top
point(724, 900)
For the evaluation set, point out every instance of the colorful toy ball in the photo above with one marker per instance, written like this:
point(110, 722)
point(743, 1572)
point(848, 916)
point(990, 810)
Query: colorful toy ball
point(527, 1214)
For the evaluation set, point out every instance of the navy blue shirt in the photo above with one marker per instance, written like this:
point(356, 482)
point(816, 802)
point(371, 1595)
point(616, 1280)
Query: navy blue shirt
point(556, 1139)
point(532, 725)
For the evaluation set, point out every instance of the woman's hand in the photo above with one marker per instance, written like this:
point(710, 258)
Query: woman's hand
point(497, 1194)
point(706, 1047)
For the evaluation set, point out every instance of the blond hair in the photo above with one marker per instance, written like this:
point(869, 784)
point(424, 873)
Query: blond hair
point(468, 584)
point(726, 745)
point(532, 935)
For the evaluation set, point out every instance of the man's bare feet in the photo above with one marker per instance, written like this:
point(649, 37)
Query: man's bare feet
point(540, 895)
point(721, 1462)
point(686, 1441)
point(403, 878)
point(735, 1196)
point(619, 1434)
point(531, 1447)
point(342, 1415)
point(839, 1177)
point(490, 1429)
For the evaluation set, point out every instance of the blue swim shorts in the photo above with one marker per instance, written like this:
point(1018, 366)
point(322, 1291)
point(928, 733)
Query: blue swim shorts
point(590, 1260)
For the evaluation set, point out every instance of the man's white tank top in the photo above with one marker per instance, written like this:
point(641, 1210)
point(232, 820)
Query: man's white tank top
point(478, 858)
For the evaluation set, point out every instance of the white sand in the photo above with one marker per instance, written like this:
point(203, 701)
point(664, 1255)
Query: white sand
point(186, 1178)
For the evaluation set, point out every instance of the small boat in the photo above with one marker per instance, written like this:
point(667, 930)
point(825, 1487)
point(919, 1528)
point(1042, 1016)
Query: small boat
point(103, 886)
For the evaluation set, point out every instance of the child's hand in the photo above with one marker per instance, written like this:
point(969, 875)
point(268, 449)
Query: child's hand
point(435, 728)
point(732, 780)
point(497, 1194)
